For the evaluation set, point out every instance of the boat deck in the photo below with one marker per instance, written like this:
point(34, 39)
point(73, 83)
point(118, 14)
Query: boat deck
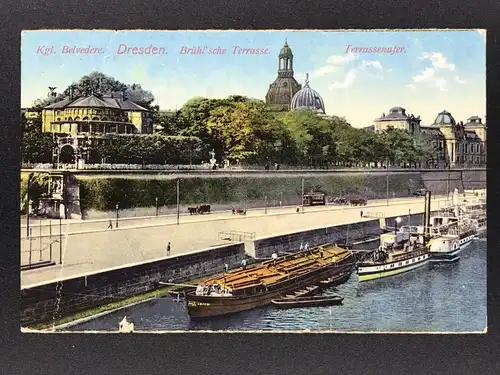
point(271, 272)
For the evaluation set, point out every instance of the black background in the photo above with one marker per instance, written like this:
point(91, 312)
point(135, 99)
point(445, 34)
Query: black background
point(223, 353)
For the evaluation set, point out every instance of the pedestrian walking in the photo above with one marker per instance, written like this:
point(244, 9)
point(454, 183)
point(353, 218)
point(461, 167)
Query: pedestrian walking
point(226, 267)
point(168, 249)
point(306, 246)
point(244, 264)
point(110, 225)
point(361, 213)
point(298, 209)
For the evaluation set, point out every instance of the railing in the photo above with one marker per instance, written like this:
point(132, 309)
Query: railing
point(209, 167)
point(234, 235)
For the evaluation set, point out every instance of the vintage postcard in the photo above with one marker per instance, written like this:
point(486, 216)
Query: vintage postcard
point(253, 181)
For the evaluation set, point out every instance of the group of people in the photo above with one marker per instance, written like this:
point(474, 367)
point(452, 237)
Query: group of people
point(240, 211)
point(212, 290)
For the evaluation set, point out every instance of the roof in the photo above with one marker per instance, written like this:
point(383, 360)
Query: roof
point(91, 101)
point(307, 98)
point(286, 51)
point(94, 101)
point(61, 104)
point(432, 131)
point(396, 113)
point(474, 121)
point(444, 118)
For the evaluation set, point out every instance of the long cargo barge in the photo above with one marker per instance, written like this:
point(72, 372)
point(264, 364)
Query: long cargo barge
point(245, 289)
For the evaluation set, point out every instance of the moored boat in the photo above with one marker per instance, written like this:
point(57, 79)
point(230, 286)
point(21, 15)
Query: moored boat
point(315, 301)
point(336, 280)
point(308, 291)
point(444, 248)
point(246, 289)
point(398, 251)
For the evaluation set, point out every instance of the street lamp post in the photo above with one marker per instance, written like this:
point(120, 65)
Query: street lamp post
point(156, 201)
point(387, 188)
point(60, 239)
point(117, 207)
point(302, 196)
point(178, 200)
point(30, 176)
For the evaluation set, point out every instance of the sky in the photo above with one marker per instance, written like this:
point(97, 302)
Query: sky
point(431, 71)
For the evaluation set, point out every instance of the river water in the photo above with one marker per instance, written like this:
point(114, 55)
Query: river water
point(443, 297)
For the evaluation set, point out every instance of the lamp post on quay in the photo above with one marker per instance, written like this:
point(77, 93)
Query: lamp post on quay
point(117, 207)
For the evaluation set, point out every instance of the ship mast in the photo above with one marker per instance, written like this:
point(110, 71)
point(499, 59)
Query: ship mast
point(427, 217)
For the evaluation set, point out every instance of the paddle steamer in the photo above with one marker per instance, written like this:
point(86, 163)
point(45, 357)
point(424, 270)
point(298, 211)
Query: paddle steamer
point(256, 286)
point(399, 251)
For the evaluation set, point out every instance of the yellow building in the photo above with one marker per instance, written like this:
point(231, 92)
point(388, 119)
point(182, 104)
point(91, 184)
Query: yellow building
point(31, 113)
point(454, 143)
point(96, 115)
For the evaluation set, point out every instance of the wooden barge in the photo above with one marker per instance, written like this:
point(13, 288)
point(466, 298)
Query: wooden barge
point(245, 289)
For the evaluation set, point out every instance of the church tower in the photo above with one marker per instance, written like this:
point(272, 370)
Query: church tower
point(282, 90)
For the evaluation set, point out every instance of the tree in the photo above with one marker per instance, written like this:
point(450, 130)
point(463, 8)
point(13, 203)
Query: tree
point(100, 83)
point(313, 135)
point(36, 147)
point(168, 122)
point(37, 184)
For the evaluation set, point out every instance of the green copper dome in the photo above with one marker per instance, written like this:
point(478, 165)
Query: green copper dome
point(286, 51)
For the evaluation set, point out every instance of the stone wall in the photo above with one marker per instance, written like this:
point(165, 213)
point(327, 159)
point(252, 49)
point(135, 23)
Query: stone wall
point(224, 193)
point(289, 243)
point(348, 233)
point(42, 303)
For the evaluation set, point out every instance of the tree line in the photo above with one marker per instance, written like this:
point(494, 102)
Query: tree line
point(238, 129)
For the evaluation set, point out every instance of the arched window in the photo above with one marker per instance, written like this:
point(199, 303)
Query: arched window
point(95, 118)
point(104, 119)
point(86, 118)
point(77, 118)
point(70, 119)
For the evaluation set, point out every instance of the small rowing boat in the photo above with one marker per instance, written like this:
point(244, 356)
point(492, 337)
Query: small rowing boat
point(314, 301)
point(307, 291)
point(336, 280)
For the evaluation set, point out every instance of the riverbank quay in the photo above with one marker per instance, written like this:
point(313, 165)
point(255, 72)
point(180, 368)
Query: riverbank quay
point(67, 294)
point(93, 250)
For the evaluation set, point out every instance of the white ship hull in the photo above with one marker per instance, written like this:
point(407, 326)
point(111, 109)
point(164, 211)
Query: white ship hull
point(378, 271)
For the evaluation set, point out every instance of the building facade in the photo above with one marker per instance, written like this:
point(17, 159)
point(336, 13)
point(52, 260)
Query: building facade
point(282, 90)
point(453, 143)
point(96, 115)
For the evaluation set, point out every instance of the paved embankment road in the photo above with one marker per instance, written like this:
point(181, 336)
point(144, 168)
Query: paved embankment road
point(51, 227)
point(89, 249)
